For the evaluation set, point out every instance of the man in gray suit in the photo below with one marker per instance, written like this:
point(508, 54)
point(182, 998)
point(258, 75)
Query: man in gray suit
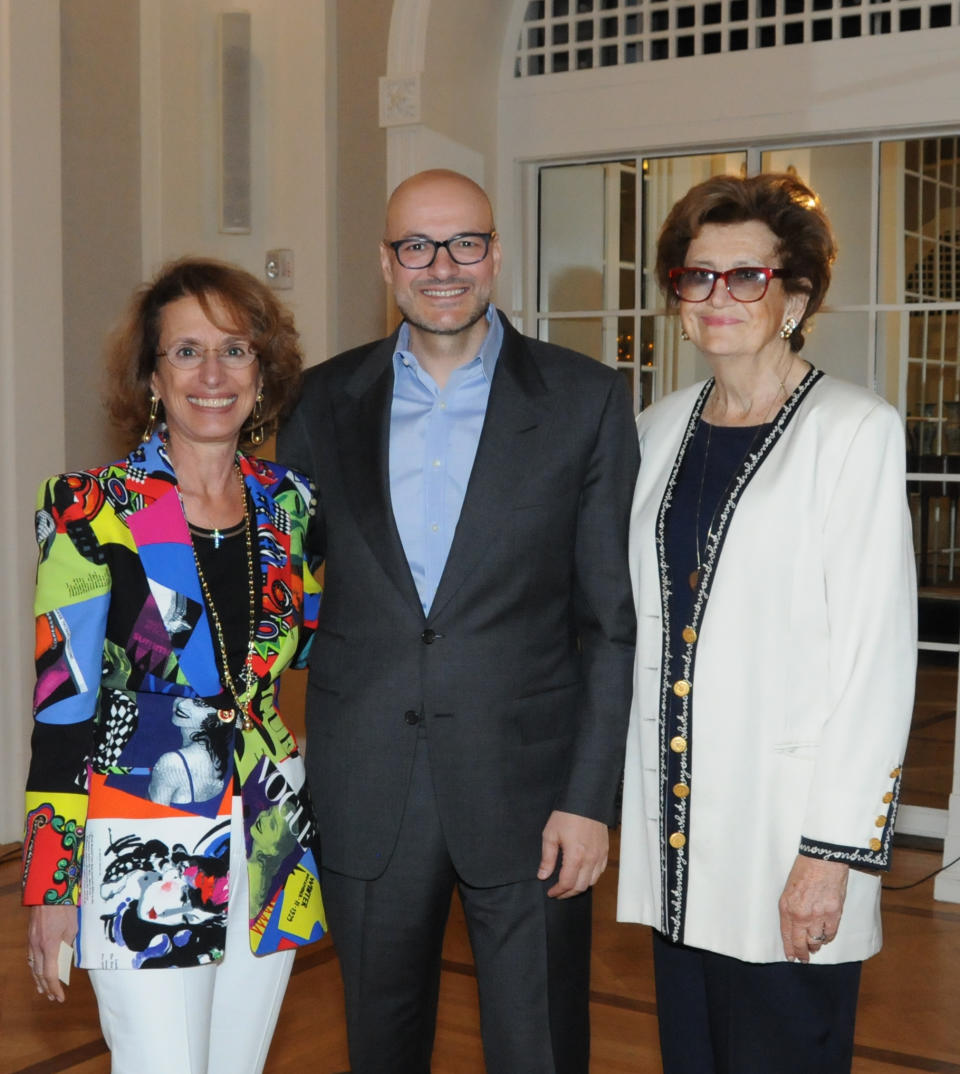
point(470, 680)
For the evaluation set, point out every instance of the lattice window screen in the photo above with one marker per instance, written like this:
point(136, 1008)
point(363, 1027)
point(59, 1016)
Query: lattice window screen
point(570, 35)
point(932, 219)
point(931, 240)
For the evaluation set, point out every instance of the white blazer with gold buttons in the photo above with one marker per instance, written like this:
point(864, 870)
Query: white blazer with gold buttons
point(801, 658)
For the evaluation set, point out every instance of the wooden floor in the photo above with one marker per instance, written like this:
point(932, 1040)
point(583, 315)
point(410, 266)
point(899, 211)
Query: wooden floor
point(909, 1016)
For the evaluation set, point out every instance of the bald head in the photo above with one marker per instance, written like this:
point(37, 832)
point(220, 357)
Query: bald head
point(444, 302)
point(432, 195)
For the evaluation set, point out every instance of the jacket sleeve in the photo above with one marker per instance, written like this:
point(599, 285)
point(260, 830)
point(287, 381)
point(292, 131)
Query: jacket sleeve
point(870, 587)
point(71, 604)
point(606, 622)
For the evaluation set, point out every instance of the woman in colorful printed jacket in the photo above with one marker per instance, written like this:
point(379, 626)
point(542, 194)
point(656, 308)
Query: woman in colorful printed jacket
point(171, 593)
point(773, 574)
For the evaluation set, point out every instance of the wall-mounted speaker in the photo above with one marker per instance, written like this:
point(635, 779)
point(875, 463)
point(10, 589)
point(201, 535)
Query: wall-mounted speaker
point(234, 27)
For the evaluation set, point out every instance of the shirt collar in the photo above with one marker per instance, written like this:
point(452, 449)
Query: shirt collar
point(488, 354)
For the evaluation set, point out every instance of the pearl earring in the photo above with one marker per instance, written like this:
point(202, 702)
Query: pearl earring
point(789, 327)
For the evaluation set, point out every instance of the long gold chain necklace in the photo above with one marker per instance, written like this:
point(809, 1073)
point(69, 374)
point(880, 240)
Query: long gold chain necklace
point(242, 698)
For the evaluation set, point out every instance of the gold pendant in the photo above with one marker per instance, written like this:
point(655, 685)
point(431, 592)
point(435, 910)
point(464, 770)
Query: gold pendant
point(694, 579)
point(246, 724)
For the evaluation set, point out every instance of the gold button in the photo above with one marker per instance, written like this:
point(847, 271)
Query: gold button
point(888, 797)
point(681, 790)
point(678, 744)
point(880, 821)
point(677, 840)
point(689, 635)
point(895, 773)
point(681, 688)
point(875, 844)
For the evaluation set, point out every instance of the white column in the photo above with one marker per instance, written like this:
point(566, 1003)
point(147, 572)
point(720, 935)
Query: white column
point(31, 351)
point(947, 885)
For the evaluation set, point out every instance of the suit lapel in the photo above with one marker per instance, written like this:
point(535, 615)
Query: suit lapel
point(362, 419)
point(513, 413)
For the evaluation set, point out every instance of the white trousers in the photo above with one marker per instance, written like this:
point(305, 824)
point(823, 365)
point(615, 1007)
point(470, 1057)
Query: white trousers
point(216, 1019)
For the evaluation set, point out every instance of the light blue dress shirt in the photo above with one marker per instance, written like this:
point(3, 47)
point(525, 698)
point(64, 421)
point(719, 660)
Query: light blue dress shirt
point(433, 441)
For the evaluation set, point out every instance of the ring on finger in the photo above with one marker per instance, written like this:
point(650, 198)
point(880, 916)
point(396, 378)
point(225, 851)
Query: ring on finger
point(818, 939)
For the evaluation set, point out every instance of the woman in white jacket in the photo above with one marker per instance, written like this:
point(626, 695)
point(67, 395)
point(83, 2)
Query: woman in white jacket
point(775, 590)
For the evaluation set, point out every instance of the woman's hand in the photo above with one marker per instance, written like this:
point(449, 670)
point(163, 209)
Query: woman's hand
point(811, 905)
point(49, 927)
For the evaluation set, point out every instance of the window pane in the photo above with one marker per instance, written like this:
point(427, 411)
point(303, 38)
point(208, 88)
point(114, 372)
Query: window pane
point(666, 180)
point(838, 343)
point(925, 343)
point(919, 240)
point(584, 334)
point(587, 218)
point(842, 177)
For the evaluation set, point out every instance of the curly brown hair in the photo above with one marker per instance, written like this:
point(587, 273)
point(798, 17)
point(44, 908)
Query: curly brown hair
point(252, 308)
point(805, 242)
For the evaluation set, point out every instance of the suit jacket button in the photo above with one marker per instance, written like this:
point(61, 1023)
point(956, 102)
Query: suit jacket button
point(411, 717)
point(428, 637)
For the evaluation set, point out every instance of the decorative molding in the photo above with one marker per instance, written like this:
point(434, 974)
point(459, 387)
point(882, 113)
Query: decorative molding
point(399, 100)
point(407, 44)
point(406, 51)
point(922, 821)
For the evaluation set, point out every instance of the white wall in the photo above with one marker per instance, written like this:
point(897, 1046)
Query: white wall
point(293, 184)
point(100, 152)
point(31, 397)
point(363, 27)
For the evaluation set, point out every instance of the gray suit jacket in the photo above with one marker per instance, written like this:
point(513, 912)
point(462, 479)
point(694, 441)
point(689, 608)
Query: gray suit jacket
point(521, 672)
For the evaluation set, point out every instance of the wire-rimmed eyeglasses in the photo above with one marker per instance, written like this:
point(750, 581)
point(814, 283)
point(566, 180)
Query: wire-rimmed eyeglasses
point(186, 355)
point(418, 252)
point(745, 284)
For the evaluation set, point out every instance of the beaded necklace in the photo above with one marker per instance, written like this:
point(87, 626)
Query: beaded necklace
point(242, 698)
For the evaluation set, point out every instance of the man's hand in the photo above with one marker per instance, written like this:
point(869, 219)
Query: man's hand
point(49, 926)
point(811, 905)
point(583, 845)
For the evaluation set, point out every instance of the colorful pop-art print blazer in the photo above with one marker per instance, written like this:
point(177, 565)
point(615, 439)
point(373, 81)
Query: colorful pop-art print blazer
point(133, 772)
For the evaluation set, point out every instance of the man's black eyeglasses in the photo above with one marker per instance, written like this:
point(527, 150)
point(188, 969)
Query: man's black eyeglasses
point(467, 248)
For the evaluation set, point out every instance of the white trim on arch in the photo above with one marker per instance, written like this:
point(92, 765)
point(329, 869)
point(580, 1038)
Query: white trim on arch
point(411, 144)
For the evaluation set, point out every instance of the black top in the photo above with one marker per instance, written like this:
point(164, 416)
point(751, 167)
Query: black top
point(224, 566)
point(713, 459)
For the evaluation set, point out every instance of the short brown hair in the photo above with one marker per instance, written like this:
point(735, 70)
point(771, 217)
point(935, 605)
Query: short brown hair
point(253, 309)
point(805, 241)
